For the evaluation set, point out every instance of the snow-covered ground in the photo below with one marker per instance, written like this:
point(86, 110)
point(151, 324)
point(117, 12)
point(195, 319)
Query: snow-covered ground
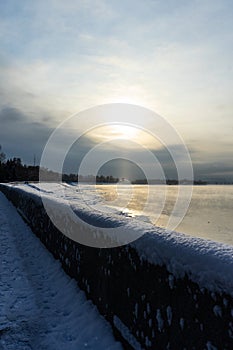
point(40, 306)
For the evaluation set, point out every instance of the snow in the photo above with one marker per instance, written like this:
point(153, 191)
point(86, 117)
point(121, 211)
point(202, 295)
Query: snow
point(159, 320)
point(208, 263)
point(40, 306)
point(217, 311)
point(210, 346)
point(182, 324)
point(171, 281)
point(169, 315)
point(125, 332)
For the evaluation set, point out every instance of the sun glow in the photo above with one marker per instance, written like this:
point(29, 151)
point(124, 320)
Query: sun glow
point(113, 132)
point(124, 132)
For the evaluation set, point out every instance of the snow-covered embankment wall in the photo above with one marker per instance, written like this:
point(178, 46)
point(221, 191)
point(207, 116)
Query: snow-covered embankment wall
point(164, 291)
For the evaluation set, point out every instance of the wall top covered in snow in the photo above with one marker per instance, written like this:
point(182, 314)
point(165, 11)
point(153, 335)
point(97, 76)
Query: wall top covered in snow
point(208, 263)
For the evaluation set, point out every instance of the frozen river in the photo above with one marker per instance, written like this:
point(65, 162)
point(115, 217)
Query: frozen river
point(209, 215)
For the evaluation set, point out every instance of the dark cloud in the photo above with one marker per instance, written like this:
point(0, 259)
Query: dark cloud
point(120, 165)
point(211, 171)
point(20, 136)
point(10, 114)
point(76, 153)
point(23, 137)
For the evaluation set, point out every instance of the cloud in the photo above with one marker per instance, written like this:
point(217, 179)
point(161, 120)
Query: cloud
point(88, 52)
point(20, 136)
point(10, 114)
point(215, 171)
point(63, 57)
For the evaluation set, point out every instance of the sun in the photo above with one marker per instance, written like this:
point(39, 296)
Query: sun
point(116, 133)
point(123, 131)
point(112, 131)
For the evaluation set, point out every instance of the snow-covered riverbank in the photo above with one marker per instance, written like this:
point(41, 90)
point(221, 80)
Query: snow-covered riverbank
point(40, 306)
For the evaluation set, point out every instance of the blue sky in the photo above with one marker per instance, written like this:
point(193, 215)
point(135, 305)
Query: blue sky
point(174, 57)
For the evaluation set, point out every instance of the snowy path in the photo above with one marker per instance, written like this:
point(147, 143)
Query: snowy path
point(40, 306)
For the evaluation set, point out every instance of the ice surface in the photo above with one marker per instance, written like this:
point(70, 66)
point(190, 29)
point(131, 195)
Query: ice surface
point(41, 308)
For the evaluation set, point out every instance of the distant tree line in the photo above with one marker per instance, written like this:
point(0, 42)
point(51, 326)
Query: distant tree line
point(13, 170)
point(168, 182)
point(89, 178)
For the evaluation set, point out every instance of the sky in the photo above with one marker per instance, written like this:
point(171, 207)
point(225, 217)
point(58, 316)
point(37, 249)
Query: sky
point(173, 57)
